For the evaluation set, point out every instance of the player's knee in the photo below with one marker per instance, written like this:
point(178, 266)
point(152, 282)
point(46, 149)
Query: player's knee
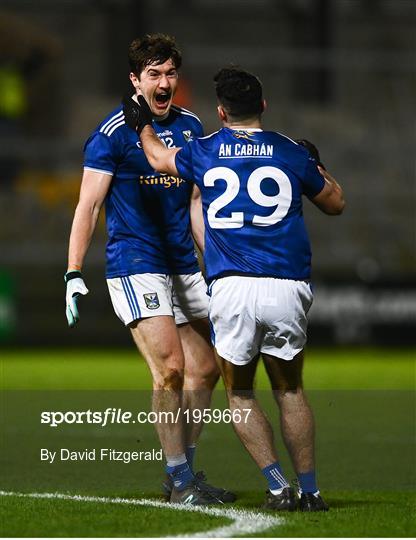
point(238, 398)
point(292, 391)
point(294, 384)
point(290, 383)
point(212, 376)
point(170, 379)
point(203, 378)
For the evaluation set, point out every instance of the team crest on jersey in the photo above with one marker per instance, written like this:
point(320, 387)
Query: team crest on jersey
point(243, 135)
point(187, 134)
point(152, 300)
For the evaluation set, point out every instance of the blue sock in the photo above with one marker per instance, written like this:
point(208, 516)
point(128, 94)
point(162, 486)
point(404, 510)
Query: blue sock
point(181, 475)
point(190, 454)
point(274, 476)
point(307, 482)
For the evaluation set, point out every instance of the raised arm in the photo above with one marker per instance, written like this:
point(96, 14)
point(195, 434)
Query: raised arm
point(139, 117)
point(162, 159)
point(330, 199)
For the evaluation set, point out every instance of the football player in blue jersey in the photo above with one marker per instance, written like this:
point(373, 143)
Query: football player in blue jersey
point(153, 276)
point(258, 263)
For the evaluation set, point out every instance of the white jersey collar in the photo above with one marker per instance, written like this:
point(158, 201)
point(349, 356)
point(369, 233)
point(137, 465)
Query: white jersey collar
point(245, 129)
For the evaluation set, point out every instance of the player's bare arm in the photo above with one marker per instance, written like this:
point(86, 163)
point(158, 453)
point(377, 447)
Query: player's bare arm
point(94, 188)
point(197, 220)
point(331, 199)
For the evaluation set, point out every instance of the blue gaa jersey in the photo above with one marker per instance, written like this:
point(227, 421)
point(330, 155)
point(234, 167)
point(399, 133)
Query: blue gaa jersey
point(252, 184)
point(147, 212)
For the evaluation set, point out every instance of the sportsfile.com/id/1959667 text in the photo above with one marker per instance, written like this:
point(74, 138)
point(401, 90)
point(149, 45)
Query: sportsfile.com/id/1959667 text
point(113, 415)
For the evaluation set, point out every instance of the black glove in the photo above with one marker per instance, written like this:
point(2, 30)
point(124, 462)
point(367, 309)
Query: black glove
point(313, 151)
point(137, 114)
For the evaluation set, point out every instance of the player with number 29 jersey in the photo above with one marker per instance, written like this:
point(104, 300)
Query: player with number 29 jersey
point(252, 182)
point(258, 260)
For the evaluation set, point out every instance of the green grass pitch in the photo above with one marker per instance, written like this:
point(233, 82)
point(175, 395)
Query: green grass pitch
point(365, 411)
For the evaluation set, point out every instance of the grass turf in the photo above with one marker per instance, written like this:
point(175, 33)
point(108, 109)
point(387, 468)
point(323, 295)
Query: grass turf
point(365, 412)
point(352, 514)
point(125, 369)
point(57, 518)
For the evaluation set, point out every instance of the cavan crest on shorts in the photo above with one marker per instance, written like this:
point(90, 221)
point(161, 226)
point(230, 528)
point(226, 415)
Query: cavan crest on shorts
point(152, 300)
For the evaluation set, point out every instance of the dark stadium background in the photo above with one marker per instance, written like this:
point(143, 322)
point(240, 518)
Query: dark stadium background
point(338, 72)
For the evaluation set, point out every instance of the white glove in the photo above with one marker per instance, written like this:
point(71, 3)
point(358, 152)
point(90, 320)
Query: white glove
point(75, 287)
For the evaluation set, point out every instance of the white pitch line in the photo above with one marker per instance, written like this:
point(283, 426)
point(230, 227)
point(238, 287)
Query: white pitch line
point(244, 522)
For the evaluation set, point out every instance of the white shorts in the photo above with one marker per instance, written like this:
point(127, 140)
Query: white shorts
point(183, 296)
point(249, 315)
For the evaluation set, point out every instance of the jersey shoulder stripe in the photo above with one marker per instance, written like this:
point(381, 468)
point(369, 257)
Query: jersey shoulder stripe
point(286, 137)
point(208, 136)
point(181, 110)
point(113, 127)
point(110, 121)
point(101, 171)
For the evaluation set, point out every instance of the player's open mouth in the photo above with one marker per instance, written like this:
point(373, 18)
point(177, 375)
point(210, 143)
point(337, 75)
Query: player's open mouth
point(162, 98)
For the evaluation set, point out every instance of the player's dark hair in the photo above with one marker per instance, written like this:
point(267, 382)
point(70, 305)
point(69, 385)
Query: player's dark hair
point(239, 92)
point(153, 48)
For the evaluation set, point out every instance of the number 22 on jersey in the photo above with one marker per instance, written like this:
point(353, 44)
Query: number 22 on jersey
point(280, 202)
